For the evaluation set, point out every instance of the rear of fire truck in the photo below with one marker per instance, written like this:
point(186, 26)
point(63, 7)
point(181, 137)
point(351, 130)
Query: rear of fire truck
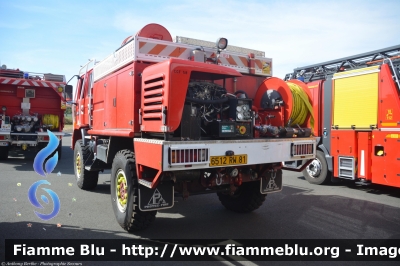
point(186, 117)
point(31, 103)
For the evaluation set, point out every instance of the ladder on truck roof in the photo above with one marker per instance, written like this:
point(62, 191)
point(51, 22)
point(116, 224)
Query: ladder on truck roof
point(321, 70)
point(152, 50)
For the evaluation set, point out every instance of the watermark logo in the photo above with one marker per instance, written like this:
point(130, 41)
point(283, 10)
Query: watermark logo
point(44, 153)
point(44, 167)
point(36, 203)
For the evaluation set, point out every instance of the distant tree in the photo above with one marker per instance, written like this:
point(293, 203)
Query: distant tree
point(68, 111)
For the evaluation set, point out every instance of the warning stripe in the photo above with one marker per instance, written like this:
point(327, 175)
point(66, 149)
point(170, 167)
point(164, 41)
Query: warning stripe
point(244, 60)
point(234, 60)
point(241, 62)
point(45, 84)
point(231, 61)
point(259, 64)
point(141, 44)
point(177, 52)
point(157, 49)
point(33, 83)
point(160, 49)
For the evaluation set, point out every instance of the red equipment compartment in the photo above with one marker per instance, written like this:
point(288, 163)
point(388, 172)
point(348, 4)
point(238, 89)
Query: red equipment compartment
point(98, 106)
point(386, 158)
point(344, 143)
point(364, 155)
point(125, 98)
point(389, 106)
point(164, 94)
point(110, 96)
point(316, 96)
point(21, 92)
point(119, 89)
point(249, 84)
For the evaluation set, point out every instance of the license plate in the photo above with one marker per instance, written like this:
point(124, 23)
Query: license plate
point(228, 160)
point(3, 144)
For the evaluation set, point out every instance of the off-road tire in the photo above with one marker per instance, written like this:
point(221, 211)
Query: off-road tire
point(4, 153)
point(129, 216)
point(247, 198)
point(83, 156)
point(323, 176)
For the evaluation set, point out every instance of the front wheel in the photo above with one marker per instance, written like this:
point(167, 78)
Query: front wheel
point(84, 179)
point(317, 171)
point(124, 194)
point(247, 198)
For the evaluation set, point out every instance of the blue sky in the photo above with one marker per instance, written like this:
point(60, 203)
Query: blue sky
point(59, 36)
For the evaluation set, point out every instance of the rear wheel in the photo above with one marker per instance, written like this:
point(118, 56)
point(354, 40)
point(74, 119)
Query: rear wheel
point(82, 156)
point(124, 194)
point(247, 198)
point(317, 171)
point(4, 153)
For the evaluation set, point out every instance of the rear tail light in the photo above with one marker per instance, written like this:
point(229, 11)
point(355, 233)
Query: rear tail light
point(2, 137)
point(301, 149)
point(45, 137)
point(188, 156)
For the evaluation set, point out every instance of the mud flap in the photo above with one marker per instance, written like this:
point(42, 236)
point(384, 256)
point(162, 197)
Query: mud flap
point(272, 182)
point(158, 198)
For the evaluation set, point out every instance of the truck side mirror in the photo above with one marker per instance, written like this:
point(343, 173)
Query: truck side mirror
point(68, 91)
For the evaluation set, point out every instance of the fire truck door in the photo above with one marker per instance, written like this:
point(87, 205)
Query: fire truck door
point(386, 158)
point(392, 160)
point(88, 106)
point(80, 102)
point(125, 100)
point(110, 102)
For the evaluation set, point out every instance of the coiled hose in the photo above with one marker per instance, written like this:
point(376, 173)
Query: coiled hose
point(51, 121)
point(301, 106)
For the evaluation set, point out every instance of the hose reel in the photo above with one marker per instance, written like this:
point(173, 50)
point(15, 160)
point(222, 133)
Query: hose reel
point(294, 96)
point(51, 121)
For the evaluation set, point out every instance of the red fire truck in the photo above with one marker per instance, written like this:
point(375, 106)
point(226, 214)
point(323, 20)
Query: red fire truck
point(186, 117)
point(357, 115)
point(31, 103)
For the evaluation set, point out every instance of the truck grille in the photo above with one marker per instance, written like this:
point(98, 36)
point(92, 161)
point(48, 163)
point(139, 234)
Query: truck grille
point(179, 156)
point(347, 167)
point(153, 95)
point(301, 149)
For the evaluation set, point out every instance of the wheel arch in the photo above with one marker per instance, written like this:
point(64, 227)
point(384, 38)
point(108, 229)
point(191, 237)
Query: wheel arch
point(117, 144)
point(328, 157)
